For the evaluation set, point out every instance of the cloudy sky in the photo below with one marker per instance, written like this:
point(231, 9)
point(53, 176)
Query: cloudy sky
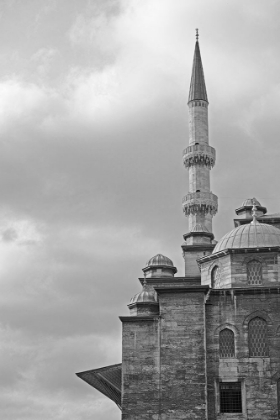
point(93, 121)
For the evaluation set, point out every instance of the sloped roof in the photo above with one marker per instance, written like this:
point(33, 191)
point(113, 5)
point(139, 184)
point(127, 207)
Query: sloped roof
point(197, 87)
point(270, 216)
point(107, 380)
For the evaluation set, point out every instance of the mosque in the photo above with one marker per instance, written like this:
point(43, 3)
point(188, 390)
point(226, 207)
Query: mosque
point(206, 345)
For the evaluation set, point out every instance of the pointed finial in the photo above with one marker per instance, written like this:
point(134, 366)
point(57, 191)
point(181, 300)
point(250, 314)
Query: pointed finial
point(254, 211)
point(144, 282)
point(197, 35)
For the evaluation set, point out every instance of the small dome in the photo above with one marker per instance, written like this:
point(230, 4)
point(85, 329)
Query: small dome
point(145, 296)
point(250, 202)
point(159, 260)
point(251, 235)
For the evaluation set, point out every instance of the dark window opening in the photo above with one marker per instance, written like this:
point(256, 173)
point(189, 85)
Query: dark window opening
point(215, 277)
point(226, 343)
point(230, 397)
point(258, 338)
point(197, 190)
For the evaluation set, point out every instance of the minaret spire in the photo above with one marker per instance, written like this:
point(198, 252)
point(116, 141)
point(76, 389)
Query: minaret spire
point(200, 204)
point(197, 87)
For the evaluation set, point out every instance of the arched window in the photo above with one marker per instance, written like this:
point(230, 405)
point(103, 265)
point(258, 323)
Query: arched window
point(226, 343)
point(215, 277)
point(254, 272)
point(258, 338)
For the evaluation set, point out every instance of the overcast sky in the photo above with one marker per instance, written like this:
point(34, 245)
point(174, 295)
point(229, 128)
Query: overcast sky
point(93, 121)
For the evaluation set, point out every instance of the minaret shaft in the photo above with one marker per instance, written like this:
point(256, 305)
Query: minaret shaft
point(199, 179)
point(199, 205)
point(198, 123)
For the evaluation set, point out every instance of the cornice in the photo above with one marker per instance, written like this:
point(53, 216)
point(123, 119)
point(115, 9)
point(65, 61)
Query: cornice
point(132, 305)
point(207, 234)
point(168, 280)
point(141, 318)
point(200, 247)
point(186, 289)
point(236, 251)
point(247, 290)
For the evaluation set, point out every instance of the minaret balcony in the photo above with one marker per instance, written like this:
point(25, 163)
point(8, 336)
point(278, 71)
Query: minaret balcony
point(199, 154)
point(200, 203)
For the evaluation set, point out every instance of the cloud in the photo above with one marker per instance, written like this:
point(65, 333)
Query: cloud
point(37, 378)
point(262, 109)
point(93, 118)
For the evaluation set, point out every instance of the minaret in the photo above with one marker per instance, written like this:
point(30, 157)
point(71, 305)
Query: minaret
point(199, 205)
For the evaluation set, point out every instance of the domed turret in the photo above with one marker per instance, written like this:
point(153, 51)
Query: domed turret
point(145, 296)
point(246, 209)
point(159, 266)
point(144, 303)
point(250, 202)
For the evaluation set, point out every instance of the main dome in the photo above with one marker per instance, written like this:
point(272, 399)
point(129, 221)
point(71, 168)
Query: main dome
point(251, 235)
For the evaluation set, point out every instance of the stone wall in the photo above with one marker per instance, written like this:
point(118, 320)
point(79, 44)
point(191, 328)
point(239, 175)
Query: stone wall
point(234, 309)
point(224, 264)
point(182, 354)
point(140, 368)
point(163, 366)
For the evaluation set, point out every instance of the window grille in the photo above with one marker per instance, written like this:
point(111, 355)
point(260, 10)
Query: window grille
point(226, 341)
point(278, 397)
point(215, 277)
point(230, 397)
point(254, 272)
point(258, 338)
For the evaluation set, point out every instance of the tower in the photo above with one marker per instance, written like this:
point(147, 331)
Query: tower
point(200, 204)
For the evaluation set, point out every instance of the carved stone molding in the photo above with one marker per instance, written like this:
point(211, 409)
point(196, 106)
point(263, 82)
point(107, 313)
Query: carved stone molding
point(200, 203)
point(199, 154)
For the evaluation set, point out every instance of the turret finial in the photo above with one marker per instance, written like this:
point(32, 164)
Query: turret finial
point(197, 35)
point(254, 211)
point(144, 282)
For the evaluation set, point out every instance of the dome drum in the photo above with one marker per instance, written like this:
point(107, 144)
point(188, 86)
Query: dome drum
point(143, 308)
point(255, 243)
point(239, 269)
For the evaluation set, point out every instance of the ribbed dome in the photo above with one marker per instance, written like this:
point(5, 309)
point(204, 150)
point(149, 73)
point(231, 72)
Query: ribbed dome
point(159, 260)
point(145, 296)
point(251, 235)
point(251, 202)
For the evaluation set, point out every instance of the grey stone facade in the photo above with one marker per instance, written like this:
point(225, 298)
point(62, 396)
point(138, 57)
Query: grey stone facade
point(204, 346)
